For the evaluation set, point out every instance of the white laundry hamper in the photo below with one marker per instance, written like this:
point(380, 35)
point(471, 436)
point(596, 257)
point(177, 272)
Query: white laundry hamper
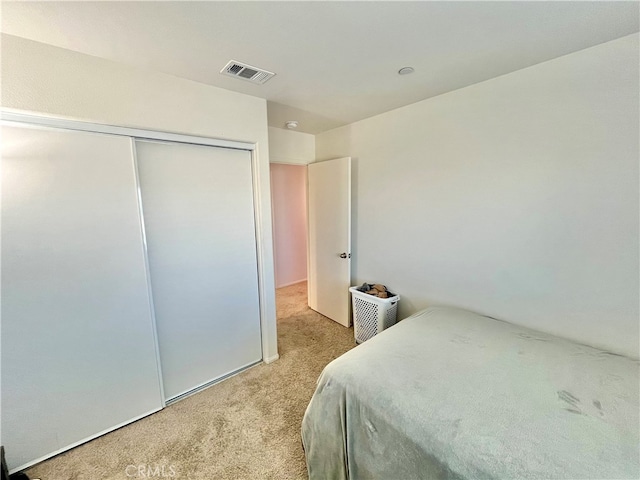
point(372, 314)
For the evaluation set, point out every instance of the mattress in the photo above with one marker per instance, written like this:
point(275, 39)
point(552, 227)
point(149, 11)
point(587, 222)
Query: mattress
point(451, 394)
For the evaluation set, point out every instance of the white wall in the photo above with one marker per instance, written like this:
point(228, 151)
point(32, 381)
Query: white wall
point(288, 146)
point(289, 201)
point(42, 79)
point(516, 197)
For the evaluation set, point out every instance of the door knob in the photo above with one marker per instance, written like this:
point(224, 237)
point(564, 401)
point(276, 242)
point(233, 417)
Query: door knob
point(344, 255)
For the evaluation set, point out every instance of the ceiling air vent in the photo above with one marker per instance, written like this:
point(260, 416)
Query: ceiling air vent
point(246, 72)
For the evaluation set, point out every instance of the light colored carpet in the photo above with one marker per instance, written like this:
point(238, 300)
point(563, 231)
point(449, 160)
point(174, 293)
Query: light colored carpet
point(246, 427)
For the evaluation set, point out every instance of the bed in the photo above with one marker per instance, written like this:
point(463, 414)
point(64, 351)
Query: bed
point(451, 394)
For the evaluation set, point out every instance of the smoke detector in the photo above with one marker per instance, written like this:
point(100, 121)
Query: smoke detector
point(291, 124)
point(247, 72)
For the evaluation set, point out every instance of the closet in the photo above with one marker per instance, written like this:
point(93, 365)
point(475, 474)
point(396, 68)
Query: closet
point(129, 278)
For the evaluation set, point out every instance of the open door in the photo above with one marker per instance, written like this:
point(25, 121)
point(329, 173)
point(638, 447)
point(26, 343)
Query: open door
point(330, 238)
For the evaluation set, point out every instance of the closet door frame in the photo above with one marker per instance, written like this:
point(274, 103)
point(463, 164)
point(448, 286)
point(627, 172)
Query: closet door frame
point(142, 134)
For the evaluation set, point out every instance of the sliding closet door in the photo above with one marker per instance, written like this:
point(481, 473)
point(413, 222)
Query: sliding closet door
point(199, 220)
point(78, 349)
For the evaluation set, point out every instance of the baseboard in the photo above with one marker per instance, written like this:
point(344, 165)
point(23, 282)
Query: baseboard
point(271, 359)
point(291, 283)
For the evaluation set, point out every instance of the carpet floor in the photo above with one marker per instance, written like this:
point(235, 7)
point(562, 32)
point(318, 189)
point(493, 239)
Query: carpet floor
point(246, 427)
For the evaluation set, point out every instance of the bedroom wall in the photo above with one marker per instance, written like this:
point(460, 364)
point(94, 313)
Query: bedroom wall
point(289, 199)
point(516, 197)
point(42, 79)
point(289, 146)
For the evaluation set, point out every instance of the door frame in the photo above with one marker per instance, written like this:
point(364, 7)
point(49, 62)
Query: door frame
point(22, 119)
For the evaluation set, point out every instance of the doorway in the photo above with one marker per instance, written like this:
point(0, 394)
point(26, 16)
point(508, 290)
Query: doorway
point(289, 207)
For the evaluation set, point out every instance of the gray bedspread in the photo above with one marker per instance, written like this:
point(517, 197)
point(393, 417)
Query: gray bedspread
point(451, 394)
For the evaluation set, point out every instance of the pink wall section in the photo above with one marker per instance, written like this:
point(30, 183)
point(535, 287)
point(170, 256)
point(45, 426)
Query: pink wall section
point(289, 199)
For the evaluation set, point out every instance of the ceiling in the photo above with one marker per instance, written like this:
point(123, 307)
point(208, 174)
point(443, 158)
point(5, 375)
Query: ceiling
point(336, 62)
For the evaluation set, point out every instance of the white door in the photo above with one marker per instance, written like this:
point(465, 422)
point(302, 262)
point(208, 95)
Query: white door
point(330, 238)
point(78, 349)
point(198, 211)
